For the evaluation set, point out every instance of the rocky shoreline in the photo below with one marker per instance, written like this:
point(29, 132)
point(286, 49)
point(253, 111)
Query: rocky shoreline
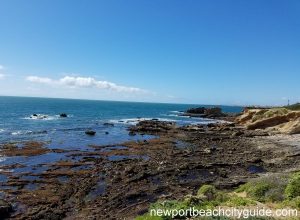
point(120, 181)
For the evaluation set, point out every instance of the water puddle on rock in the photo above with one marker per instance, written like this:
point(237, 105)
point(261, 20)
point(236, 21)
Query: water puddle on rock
point(31, 186)
point(30, 178)
point(128, 157)
point(191, 175)
point(63, 179)
point(181, 144)
point(3, 178)
point(255, 169)
point(97, 190)
point(111, 148)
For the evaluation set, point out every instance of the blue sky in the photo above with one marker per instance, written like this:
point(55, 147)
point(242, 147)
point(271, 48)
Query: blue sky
point(207, 52)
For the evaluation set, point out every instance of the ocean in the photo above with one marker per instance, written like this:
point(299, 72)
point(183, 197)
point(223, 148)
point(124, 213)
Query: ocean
point(17, 123)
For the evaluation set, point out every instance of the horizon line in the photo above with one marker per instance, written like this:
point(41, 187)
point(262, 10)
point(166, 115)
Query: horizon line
point(107, 100)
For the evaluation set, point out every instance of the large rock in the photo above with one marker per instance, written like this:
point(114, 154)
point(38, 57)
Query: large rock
point(5, 209)
point(292, 127)
point(214, 112)
point(150, 126)
point(90, 132)
point(268, 122)
point(199, 110)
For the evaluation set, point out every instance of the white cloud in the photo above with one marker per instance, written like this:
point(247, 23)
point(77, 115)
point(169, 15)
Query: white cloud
point(83, 82)
point(2, 76)
point(37, 79)
point(1, 67)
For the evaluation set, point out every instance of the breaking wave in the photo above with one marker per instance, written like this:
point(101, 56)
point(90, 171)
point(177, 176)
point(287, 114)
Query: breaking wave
point(134, 121)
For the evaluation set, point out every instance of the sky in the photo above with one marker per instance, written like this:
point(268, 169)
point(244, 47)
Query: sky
point(233, 52)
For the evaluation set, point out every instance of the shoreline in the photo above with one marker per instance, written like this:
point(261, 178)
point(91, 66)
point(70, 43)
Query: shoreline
point(136, 173)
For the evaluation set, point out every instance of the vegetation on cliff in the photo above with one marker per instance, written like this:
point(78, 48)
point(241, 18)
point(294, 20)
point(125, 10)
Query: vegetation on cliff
point(294, 107)
point(281, 120)
point(276, 191)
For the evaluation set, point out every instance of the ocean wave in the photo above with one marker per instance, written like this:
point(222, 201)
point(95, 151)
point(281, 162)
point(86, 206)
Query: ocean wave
point(25, 132)
point(1, 130)
point(2, 158)
point(42, 117)
point(134, 121)
point(178, 112)
point(17, 133)
point(175, 115)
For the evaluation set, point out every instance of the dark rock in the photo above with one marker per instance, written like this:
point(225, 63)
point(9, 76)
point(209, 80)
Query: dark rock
point(213, 148)
point(150, 126)
point(5, 209)
point(256, 133)
point(90, 132)
point(211, 125)
point(106, 132)
point(200, 110)
point(238, 133)
point(63, 115)
point(35, 115)
point(108, 124)
point(230, 125)
point(132, 133)
point(215, 112)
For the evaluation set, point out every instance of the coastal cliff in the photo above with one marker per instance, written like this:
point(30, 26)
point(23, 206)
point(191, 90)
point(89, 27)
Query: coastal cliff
point(278, 120)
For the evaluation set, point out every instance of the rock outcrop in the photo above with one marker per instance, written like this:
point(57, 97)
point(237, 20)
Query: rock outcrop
point(5, 209)
point(203, 112)
point(274, 119)
point(90, 132)
point(152, 127)
point(291, 127)
point(199, 110)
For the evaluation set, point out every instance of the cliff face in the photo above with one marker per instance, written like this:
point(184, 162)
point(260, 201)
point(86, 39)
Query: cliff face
point(276, 119)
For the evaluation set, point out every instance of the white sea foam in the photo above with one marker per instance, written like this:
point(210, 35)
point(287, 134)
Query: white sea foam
point(176, 112)
point(1, 130)
point(134, 121)
point(2, 158)
point(17, 133)
point(175, 115)
point(29, 132)
point(205, 121)
point(43, 117)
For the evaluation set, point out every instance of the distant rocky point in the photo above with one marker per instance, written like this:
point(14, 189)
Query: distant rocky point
point(204, 112)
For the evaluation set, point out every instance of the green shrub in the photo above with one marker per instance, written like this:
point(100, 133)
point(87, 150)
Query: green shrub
point(213, 218)
point(294, 107)
point(148, 217)
point(169, 205)
point(256, 190)
point(191, 200)
point(239, 201)
point(266, 189)
point(293, 188)
point(208, 191)
point(295, 202)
